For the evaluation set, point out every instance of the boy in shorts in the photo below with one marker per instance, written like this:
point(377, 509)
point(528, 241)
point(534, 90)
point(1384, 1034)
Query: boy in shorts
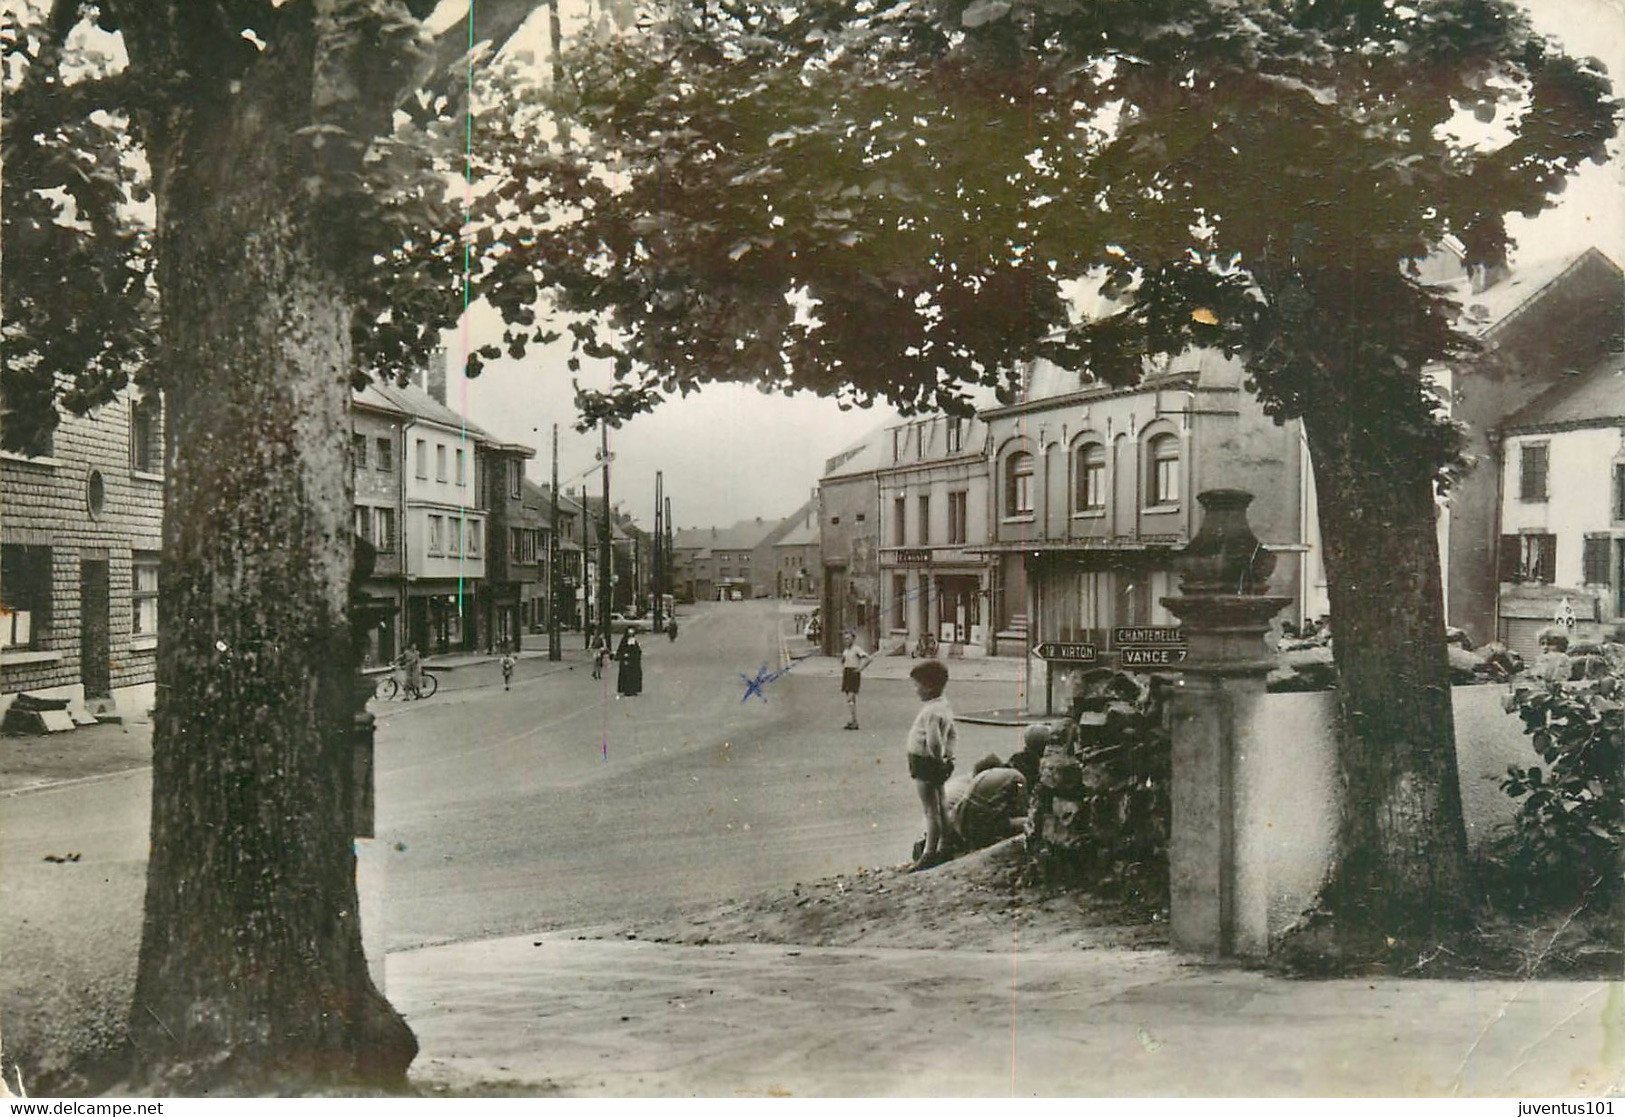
point(931, 742)
point(853, 661)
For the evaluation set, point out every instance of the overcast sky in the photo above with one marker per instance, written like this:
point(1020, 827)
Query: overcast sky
point(731, 452)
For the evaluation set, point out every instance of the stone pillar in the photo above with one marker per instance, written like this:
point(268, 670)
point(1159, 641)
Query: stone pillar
point(1225, 612)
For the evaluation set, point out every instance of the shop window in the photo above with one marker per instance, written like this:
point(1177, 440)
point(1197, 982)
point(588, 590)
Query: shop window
point(25, 596)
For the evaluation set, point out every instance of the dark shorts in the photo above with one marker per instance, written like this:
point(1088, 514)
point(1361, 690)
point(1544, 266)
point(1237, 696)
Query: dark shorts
point(851, 679)
point(929, 768)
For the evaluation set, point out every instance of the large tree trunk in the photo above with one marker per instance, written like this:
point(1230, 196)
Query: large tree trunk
point(251, 970)
point(1399, 883)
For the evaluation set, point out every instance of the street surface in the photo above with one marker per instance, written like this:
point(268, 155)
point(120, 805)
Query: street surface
point(557, 805)
point(550, 805)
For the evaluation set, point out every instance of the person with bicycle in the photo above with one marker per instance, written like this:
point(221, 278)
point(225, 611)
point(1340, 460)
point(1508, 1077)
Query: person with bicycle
point(412, 672)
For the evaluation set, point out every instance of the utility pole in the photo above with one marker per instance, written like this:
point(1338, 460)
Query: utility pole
point(555, 644)
point(670, 569)
point(657, 549)
point(604, 604)
point(586, 597)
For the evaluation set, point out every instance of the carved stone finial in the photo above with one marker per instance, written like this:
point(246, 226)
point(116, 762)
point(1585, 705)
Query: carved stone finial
point(1224, 557)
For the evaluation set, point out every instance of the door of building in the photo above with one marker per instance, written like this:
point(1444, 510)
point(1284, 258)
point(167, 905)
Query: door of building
point(95, 625)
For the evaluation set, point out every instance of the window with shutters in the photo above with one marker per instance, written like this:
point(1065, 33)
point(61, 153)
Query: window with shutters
point(1533, 462)
point(1529, 557)
point(1594, 560)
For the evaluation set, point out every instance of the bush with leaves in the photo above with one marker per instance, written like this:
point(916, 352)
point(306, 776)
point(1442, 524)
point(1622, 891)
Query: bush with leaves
point(1569, 832)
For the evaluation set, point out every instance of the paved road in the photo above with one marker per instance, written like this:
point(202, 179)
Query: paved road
point(557, 805)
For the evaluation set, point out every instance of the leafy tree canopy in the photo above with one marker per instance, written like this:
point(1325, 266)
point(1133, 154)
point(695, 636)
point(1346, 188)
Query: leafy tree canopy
point(892, 201)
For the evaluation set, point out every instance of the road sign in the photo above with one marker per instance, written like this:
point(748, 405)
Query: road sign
point(1155, 645)
point(1151, 657)
point(1071, 653)
point(1153, 635)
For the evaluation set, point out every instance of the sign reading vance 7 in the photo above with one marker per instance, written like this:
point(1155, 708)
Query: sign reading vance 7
point(1073, 653)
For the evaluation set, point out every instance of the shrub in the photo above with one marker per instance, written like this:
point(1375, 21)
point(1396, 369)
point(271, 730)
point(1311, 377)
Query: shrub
point(1569, 831)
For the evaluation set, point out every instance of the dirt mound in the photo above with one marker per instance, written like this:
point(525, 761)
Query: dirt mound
point(977, 902)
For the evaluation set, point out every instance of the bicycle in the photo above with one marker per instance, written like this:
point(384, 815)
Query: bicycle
point(390, 686)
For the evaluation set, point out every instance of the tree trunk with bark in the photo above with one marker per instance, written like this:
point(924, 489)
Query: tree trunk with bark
point(1399, 882)
point(251, 971)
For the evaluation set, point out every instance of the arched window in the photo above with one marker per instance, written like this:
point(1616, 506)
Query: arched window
point(1018, 484)
point(1162, 471)
point(1091, 478)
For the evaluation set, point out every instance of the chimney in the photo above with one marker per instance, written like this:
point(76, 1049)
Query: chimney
point(436, 386)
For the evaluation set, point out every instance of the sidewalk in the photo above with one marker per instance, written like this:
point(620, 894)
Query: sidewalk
point(631, 1018)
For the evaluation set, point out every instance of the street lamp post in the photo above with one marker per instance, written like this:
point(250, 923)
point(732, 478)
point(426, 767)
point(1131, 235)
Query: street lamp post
point(604, 588)
point(555, 642)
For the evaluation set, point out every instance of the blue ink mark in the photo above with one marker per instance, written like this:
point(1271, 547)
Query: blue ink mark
point(763, 677)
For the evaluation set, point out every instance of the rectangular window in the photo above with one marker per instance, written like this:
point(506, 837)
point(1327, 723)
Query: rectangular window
point(358, 450)
point(1619, 492)
point(897, 444)
point(440, 462)
point(1091, 495)
point(383, 528)
point(516, 544)
point(454, 535)
point(958, 520)
point(925, 520)
point(1532, 471)
point(437, 544)
point(1531, 557)
point(899, 521)
point(363, 522)
point(462, 468)
point(475, 538)
point(423, 460)
point(956, 434)
point(1594, 560)
point(146, 435)
point(386, 455)
point(144, 593)
point(516, 478)
point(25, 596)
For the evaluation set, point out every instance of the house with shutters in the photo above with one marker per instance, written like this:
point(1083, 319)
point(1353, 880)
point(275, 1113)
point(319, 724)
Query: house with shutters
point(1562, 550)
point(81, 516)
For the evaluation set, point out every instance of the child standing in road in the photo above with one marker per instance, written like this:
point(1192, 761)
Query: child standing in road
point(853, 660)
point(507, 669)
point(931, 742)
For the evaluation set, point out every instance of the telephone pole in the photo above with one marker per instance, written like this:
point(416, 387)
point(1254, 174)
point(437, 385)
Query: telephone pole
point(586, 596)
point(555, 645)
point(658, 548)
point(604, 601)
point(669, 572)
